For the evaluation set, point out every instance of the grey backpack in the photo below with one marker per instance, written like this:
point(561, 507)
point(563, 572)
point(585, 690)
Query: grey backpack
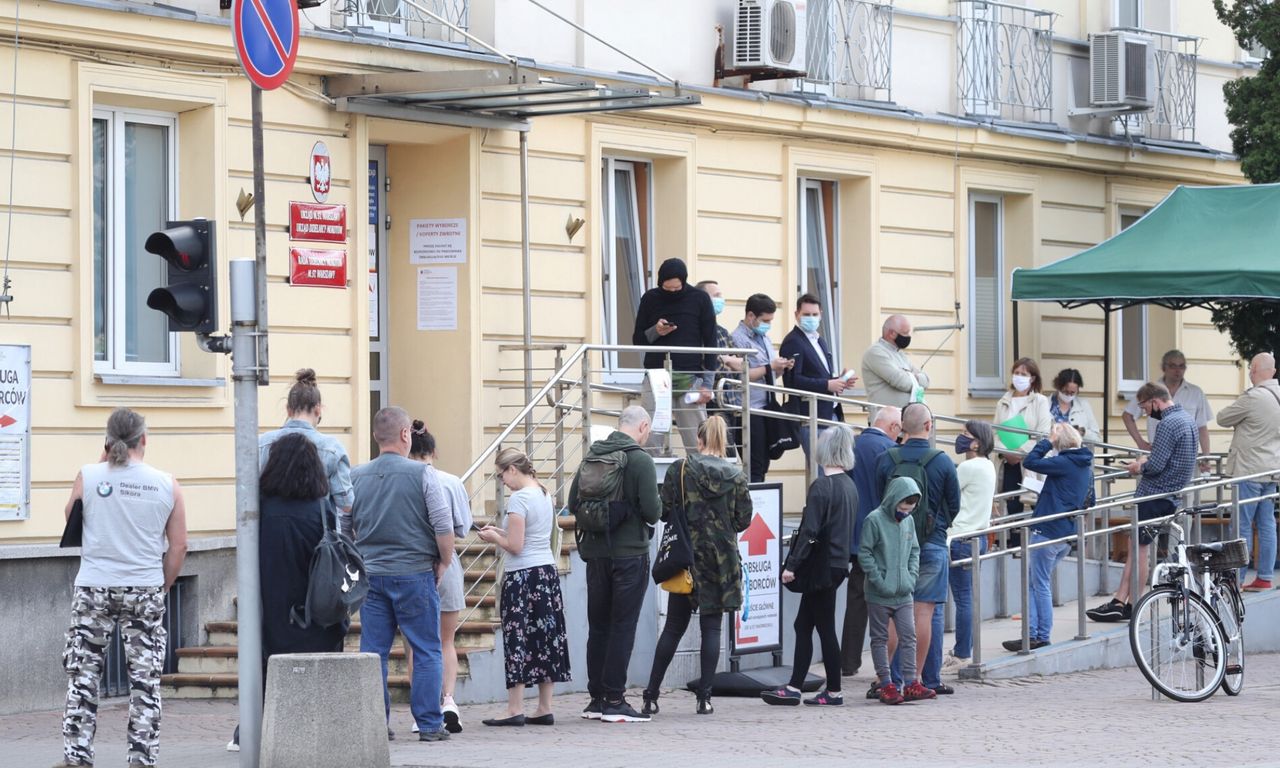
point(337, 583)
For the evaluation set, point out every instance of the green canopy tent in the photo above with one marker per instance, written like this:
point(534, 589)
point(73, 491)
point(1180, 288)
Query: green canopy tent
point(1200, 247)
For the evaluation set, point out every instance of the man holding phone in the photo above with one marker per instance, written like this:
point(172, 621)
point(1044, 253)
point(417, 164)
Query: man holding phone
point(813, 368)
point(753, 333)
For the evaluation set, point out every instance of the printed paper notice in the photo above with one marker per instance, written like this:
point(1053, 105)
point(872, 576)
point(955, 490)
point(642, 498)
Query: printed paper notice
point(437, 241)
point(15, 432)
point(373, 304)
point(437, 299)
point(659, 383)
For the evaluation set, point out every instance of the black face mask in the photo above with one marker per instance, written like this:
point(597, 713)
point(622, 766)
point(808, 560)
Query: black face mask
point(1157, 413)
point(902, 341)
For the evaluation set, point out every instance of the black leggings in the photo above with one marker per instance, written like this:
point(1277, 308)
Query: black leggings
point(818, 611)
point(1011, 480)
point(679, 609)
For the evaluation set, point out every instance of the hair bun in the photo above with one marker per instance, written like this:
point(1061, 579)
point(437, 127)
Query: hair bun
point(419, 426)
point(306, 376)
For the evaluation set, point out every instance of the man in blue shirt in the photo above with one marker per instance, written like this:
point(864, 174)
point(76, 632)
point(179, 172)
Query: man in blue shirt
point(1167, 469)
point(753, 333)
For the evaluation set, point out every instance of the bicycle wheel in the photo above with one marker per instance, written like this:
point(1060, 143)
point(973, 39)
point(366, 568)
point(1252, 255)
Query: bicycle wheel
point(1178, 644)
point(1230, 608)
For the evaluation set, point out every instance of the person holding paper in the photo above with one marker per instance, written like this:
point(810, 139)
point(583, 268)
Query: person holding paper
point(1023, 407)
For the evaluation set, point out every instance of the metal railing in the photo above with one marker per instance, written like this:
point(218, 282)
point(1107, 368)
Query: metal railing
point(1006, 61)
point(398, 17)
point(849, 49)
point(1173, 117)
point(1083, 519)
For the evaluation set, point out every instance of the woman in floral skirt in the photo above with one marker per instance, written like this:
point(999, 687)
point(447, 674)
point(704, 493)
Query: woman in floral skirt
point(533, 628)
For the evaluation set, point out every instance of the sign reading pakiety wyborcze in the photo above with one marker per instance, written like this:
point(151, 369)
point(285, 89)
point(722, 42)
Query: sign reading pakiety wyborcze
point(15, 432)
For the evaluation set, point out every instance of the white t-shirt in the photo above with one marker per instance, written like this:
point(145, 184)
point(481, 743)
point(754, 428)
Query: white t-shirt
point(977, 478)
point(1189, 396)
point(534, 505)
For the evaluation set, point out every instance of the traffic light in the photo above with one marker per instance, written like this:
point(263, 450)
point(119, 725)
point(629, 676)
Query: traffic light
point(190, 294)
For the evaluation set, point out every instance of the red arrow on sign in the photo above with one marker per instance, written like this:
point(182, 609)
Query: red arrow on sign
point(7, 420)
point(757, 536)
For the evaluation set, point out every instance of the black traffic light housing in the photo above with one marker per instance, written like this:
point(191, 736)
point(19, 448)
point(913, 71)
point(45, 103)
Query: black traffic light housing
point(190, 294)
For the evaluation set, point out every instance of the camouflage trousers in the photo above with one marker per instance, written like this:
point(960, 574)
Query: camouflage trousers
point(95, 611)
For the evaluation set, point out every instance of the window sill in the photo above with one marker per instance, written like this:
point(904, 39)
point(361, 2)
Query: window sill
point(157, 381)
point(978, 393)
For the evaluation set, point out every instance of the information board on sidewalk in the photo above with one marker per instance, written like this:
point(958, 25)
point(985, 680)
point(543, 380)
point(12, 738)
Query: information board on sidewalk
point(15, 431)
point(757, 628)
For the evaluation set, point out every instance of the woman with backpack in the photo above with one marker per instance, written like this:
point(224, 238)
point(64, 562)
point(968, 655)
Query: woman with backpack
point(710, 493)
point(534, 638)
point(819, 560)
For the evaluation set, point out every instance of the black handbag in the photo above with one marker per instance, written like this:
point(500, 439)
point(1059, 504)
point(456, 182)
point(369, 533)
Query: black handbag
point(675, 550)
point(809, 556)
point(781, 434)
point(73, 533)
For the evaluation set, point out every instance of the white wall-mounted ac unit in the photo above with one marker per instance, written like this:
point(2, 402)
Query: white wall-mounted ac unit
point(1122, 71)
point(769, 34)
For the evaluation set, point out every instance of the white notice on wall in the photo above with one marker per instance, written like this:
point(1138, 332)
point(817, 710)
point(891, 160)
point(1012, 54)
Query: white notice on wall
point(373, 304)
point(658, 380)
point(15, 432)
point(437, 299)
point(437, 241)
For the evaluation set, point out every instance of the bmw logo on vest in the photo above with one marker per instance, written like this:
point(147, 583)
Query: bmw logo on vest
point(104, 489)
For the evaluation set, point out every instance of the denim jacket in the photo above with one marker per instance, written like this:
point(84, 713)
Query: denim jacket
point(336, 464)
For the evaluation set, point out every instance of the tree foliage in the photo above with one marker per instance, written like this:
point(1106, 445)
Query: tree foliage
point(1253, 109)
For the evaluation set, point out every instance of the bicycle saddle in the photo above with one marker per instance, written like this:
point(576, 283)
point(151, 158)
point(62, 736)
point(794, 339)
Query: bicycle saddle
point(1204, 550)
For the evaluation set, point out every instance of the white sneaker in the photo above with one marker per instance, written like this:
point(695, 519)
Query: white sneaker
point(232, 746)
point(414, 728)
point(952, 662)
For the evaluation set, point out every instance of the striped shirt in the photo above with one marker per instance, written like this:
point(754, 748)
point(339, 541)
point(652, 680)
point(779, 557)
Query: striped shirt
point(1172, 463)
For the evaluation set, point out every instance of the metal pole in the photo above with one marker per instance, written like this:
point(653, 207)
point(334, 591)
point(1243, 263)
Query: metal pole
point(260, 243)
point(249, 370)
point(586, 405)
point(1135, 566)
point(1104, 562)
point(744, 433)
point(810, 474)
point(1081, 632)
point(526, 298)
point(975, 554)
point(1024, 542)
point(560, 416)
point(1106, 373)
point(1016, 345)
point(1002, 578)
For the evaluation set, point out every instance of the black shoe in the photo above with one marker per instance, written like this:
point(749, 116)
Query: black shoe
point(704, 706)
point(391, 735)
point(516, 721)
point(848, 673)
point(873, 693)
point(942, 689)
point(547, 719)
point(650, 705)
point(1110, 611)
point(439, 735)
point(593, 709)
point(621, 712)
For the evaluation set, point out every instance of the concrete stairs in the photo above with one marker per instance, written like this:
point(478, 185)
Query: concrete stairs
point(209, 671)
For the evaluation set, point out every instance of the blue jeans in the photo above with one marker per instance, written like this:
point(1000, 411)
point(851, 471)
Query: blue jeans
point(1260, 515)
point(411, 603)
point(961, 578)
point(804, 439)
point(1043, 561)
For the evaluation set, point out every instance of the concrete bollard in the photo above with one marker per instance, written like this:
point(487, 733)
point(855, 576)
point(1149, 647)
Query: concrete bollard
point(324, 710)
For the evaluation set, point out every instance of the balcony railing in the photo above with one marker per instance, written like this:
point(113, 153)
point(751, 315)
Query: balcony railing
point(398, 17)
point(1173, 117)
point(1006, 61)
point(849, 49)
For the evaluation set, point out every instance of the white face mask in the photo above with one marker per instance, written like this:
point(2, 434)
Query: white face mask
point(1066, 398)
point(1021, 383)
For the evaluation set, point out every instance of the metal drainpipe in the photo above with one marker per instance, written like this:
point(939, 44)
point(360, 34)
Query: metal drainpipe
point(525, 280)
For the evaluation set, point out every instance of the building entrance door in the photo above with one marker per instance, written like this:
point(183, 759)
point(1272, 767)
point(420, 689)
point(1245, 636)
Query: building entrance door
point(379, 220)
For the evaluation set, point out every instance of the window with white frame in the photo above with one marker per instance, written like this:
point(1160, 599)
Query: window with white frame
point(986, 292)
point(819, 259)
point(1128, 13)
point(628, 260)
point(134, 183)
point(1131, 331)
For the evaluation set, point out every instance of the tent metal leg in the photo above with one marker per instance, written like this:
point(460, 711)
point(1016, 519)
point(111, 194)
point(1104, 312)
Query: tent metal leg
point(1017, 349)
point(1106, 373)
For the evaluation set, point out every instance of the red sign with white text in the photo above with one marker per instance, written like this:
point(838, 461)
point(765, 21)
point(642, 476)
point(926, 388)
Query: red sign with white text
point(311, 266)
point(317, 221)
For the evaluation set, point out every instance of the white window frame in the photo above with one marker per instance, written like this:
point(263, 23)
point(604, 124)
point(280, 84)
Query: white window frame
point(391, 24)
point(831, 297)
point(1137, 13)
point(976, 382)
point(613, 373)
point(115, 322)
point(1124, 384)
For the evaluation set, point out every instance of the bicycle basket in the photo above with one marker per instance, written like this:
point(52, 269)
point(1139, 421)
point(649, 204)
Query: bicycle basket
point(1234, 554)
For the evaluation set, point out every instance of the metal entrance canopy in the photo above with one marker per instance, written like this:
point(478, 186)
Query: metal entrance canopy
point(504, 97)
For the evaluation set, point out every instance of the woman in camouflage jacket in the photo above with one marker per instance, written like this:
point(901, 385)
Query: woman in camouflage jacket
point(711, 492)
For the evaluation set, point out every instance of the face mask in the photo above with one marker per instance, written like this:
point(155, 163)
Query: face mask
point(1021, 383)
point(1064, 397)
point(717, 303)
point(809, 323)
point(902, 341)
point(900, 515)
point(762, 329)
point(1157, 413)
point(963, 443)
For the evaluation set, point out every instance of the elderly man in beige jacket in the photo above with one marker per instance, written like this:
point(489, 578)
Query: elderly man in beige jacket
point(889, 376)
point(1255, 447)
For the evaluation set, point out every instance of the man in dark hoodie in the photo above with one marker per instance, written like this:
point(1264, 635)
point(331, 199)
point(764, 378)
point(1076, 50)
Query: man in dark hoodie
point(618, 570)
point(676, 314)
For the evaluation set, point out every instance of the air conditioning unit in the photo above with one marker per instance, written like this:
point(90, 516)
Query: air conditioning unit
point(1122, 71)
point(770, 34)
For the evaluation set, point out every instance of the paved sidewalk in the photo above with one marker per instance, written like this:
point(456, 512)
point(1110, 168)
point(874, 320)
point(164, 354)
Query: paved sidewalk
point(1086, 719)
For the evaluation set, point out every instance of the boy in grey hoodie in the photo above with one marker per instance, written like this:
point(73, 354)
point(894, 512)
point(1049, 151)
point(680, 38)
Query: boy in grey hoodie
point(890, 557)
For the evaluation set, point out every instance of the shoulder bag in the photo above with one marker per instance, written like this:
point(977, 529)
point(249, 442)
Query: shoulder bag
point(675, 551)
point(810, 554)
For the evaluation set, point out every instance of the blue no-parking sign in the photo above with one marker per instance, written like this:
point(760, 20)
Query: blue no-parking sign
point(266, 35)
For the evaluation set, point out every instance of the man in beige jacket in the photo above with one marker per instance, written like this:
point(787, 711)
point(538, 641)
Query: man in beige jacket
point(888, 375)
point(1255, 447)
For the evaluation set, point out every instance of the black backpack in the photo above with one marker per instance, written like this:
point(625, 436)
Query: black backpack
point(923, 515)
point(336, 583)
